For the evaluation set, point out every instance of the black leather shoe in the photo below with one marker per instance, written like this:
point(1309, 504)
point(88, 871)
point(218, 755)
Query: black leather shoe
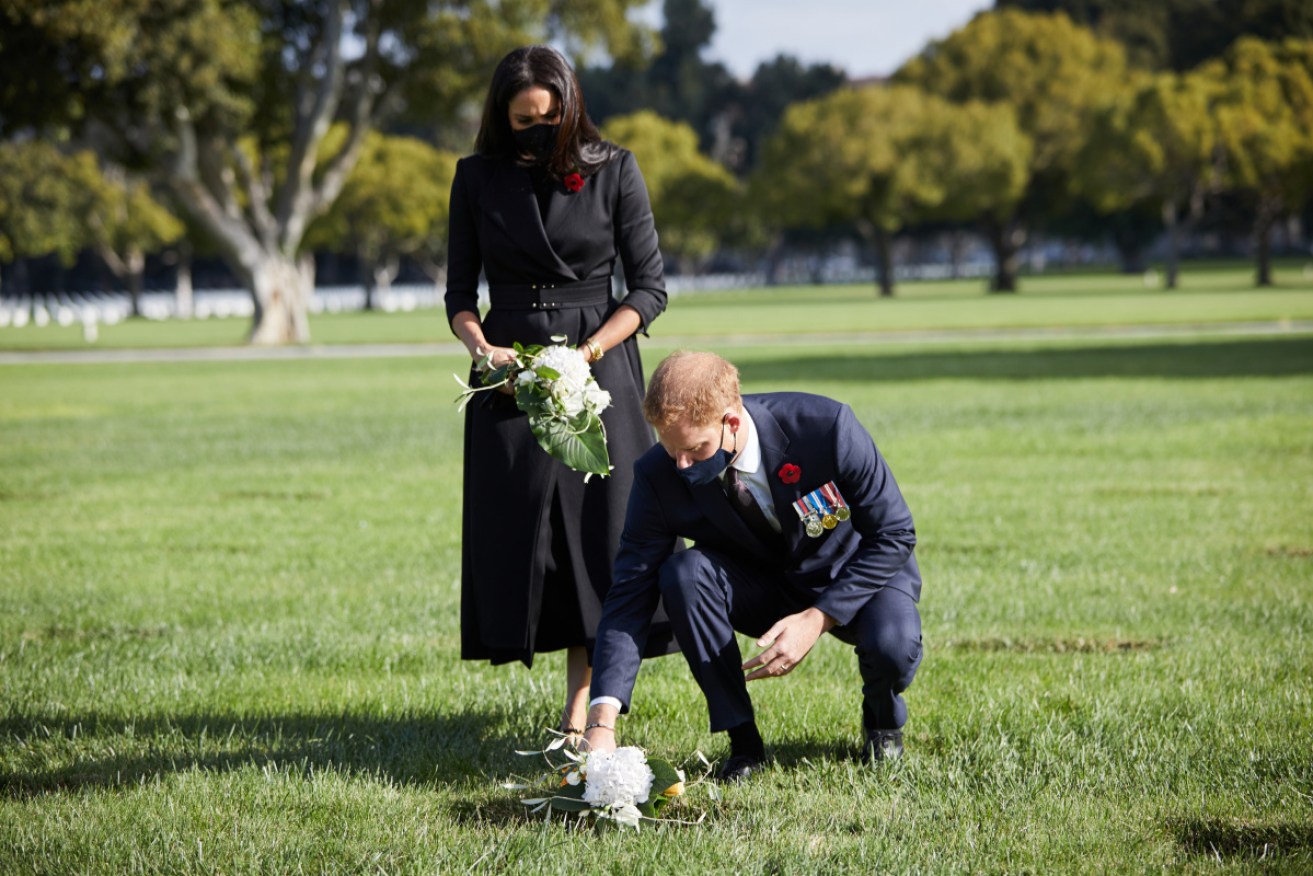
point(882, 745)
point(739, 767)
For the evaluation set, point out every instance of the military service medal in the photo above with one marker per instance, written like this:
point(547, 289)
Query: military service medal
point(810, 521)
point(819, 503)
point(840, 507)
point(820, 511)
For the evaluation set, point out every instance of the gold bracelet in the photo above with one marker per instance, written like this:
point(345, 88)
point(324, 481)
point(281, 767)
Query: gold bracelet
point(595, 351)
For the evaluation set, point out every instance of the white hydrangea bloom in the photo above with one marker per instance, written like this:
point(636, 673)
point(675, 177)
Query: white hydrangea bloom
point(599, 398)
point(570, 402)
point(575, 390)
point(568, 363)
point(617, 779)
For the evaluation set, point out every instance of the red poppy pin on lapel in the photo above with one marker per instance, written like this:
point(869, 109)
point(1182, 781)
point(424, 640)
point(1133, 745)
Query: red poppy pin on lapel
point(789, 473)
point(573, 181)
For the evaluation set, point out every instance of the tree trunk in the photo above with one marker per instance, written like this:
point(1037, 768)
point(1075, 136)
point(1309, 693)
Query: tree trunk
point(257, 226)
point(882, 239)
point(1006, 238)
point(1263, 222)
point(1264, 276)
point(884, 262)
point(136, 267)
point(386, 272)
point(433, 269)
point(1173, 243)
point(367, 275)
point(378, 279)
point(281, 289)
point(183, 291)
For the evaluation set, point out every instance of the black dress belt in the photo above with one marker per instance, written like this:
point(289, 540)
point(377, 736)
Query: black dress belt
point(550, 296)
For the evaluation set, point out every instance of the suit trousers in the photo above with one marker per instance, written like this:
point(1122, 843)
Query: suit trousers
point(709, 595)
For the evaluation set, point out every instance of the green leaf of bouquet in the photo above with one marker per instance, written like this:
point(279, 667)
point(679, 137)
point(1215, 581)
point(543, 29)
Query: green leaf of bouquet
point(567, 804)
point(496, 375)
point(547, 372)
point(584, 452)
point(575, 792)
point(532, 403)
point(664, 775)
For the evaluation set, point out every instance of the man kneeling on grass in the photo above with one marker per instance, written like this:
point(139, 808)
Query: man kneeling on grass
point(798, 528)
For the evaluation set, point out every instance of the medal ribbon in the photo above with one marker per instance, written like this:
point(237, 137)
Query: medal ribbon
point(817, 502)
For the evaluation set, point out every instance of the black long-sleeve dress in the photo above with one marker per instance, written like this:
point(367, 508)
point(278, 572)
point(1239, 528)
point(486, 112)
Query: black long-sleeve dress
point(537, 541)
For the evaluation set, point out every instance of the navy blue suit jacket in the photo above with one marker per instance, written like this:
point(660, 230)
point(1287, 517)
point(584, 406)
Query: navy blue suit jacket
point(837, 573)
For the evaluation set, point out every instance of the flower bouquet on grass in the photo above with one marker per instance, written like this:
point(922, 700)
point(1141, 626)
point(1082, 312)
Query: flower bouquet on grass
point(556, 388)
point(624, 786)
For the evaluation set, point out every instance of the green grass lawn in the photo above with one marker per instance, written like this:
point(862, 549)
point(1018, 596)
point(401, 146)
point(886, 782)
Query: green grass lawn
point(1208, 294)
point(229, 625)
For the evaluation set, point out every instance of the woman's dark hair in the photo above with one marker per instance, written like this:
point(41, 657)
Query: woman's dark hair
point(578, 144)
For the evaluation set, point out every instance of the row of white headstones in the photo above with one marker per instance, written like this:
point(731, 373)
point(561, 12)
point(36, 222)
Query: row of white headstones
point(94, 309)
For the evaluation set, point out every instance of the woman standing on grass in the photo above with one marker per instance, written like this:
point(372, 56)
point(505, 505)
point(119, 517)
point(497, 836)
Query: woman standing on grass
point(544, 209)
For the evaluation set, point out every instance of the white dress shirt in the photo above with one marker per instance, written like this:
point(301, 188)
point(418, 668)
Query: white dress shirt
point(753, 476)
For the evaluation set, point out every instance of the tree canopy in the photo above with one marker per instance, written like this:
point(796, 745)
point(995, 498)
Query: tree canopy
point(1054, 74)
point(1180, 34)
point(731, 117)
point(693, 197)
point(39, 212)
point(886, 157)
point(229, 102)
point(1264, 117)
point(1156, 144)
point(393, 205)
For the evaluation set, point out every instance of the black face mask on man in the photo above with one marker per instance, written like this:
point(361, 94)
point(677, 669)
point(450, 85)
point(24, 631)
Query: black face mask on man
point(709, 469)
point(538, 141)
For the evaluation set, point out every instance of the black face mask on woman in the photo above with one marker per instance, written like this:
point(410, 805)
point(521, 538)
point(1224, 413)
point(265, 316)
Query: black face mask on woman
point(537, 140)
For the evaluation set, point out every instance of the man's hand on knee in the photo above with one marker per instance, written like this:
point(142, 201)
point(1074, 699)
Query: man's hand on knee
point(787, 643)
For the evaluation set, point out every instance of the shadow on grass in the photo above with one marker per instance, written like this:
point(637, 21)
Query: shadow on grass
point(1277, 357)
point(1231, 837)
point(792, 754)
point(407, 749)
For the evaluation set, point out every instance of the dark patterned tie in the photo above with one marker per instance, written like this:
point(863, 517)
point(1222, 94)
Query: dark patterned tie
point(741, 498)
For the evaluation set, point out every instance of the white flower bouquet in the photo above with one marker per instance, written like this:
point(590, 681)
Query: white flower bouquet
point(624, 786)
point(556, 388)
